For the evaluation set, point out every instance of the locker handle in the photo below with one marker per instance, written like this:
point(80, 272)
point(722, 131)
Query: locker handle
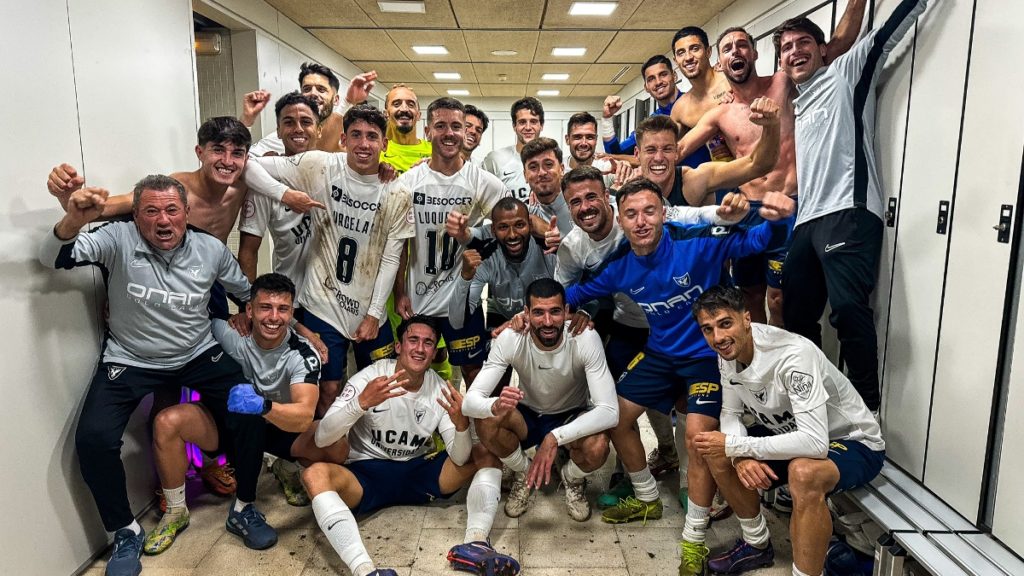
point(1005, 219)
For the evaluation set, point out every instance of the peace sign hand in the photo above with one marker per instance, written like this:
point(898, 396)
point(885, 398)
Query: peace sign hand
point(381, 389)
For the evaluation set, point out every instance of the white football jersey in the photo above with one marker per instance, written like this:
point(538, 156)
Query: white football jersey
point(289, 232)
point(507, 165)
point(788, 376)
point(349, 237)
point(435, 257)
point(399, 428)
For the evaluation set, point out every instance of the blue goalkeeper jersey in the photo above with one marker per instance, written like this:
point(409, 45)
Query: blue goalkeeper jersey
point(667, 282)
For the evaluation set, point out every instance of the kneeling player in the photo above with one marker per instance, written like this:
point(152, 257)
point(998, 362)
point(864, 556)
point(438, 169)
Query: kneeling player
point(558, 375)
point(388, 411)
point(284, 371)
point(818, 434)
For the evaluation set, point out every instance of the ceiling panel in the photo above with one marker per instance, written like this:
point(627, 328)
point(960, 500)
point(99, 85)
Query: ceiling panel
point(514, 73)
point(557, 16)
point(504, 14)
point(323, 13)
point(438, 14)
point(594, 90)
point(360, 44)
point(389, 73)
point(482, 42)
point(450, 39)
point(427, 70)
point(636, 47)
point(575, 71)
point(442, 90)
point(603, 74)
point(594, 41)
point(673, 14)
point(564, 90)
point(503, 90)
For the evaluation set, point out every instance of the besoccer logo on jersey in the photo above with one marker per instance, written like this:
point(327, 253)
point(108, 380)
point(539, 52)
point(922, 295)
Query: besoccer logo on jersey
point(419, 198)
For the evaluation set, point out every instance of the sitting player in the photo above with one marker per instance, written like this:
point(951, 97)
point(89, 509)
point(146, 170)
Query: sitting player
point(388, 412)
point(818, 434)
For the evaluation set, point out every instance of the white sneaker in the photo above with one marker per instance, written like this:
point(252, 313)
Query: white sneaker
point(576, 498)
point(518, 499)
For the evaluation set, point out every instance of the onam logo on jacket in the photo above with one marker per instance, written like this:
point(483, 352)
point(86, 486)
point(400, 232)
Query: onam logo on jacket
point(195, 270)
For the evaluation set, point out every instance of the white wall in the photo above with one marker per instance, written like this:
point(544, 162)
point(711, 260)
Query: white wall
point(556, 114)
point(52, 334)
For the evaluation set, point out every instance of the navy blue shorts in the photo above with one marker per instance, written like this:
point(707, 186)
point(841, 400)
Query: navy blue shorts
point(337, 346)
point(398, 483)
point(624, 343)
point(857, 465)
point(538, 425)
point(654, 380)
point(759, 269)
point(467, 346)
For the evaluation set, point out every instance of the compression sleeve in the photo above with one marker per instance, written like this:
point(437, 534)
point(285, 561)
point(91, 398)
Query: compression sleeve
point(344, 412)
point(809, 440)
point(389, 263)
point(695, 216)
point(459, 445)
point(261, 182)
point(477, 402)
point(605, 411)
point(467, 295)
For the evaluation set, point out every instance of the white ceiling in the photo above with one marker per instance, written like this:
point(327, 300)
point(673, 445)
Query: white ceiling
point(471, 29)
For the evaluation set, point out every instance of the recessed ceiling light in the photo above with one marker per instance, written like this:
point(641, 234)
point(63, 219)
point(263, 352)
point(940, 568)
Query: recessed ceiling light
point(504, 53)
point(458, 92)
point(568, 51)
point(402, 7)
point(592, 8)
point(558, 76)
point(447, 75)
point(433, 50)
point(548, 92)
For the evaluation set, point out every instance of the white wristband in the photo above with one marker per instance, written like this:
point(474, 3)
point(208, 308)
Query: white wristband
point(607, 129)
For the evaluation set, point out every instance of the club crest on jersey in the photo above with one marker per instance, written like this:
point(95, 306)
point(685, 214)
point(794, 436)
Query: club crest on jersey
point(114, 371)
point(800, 384)
point(761, 395)
point(195, 270)
point(420, 413)
point(683, 281)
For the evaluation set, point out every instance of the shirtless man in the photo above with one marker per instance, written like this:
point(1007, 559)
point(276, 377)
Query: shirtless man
point(692, 53)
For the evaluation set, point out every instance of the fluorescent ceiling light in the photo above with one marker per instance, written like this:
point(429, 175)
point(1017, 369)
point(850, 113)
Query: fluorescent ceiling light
point(548, 92)
point(433, 50)
point(592, 8)
point(402, 7)
point(447, 75)
point(558, 76)
point(568, 51)
point(504, 53)
point(458, 92)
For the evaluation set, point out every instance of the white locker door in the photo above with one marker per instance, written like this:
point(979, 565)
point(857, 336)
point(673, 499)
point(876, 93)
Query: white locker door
point(936, 92)
point(1009, 498)
point(974, 303)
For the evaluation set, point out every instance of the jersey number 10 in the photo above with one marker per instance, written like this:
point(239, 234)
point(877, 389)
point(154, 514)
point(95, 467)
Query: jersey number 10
point(448, 252)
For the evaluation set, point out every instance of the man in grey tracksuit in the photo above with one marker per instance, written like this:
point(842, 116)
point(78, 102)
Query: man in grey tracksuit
point(838, 236)
point(158, 274)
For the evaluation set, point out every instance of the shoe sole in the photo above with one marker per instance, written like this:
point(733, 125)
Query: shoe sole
point(640, 518)
point(664, 469)
point(744, 568)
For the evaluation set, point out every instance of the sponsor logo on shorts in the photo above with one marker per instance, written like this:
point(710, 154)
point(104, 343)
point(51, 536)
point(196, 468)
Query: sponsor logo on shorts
point(831, 247)
point(838, 446)
point(702, 388)
point(216, 357)
point(385, 351)
point(114, 371)
point(636, 360)
point(464, 343)
point(703, 402)
point(474, 354)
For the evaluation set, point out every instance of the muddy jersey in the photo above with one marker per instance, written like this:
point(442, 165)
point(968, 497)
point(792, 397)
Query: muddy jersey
point(349, 239)
point(507, 165)
point(289, 232)
point(273, 371)
point(435, 258)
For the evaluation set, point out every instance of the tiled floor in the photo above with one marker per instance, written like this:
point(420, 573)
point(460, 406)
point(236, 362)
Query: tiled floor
point(414, 540)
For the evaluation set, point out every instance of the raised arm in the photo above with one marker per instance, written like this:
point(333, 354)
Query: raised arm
point(705, 130)
point(847, 30)
point(64, 180)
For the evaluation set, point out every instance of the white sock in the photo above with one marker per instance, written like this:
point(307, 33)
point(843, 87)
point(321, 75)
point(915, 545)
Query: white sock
point(339, 525)
point(239, 505)
point(482, 503)
point(797, 572)
point(755, 531)
point(517, 461)
point(697, 518)
point(572, 472)
point(134, 527)
point(175, 497)
point(644, 485)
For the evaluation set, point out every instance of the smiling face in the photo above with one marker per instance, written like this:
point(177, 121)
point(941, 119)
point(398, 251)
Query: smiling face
point(800, 56)
point(691, 56)
point(582, 142)
point(527, 126)
point(319, 88)
point(547, 320)
point(221, 162)
point(658, 153)
point(511, 229)
point(161, 218)
point(298, 128)
point(474, 131)
point(447, 132)
point(590, 208)
point(416, 349)
point(641, 216)
point(364, 142)
point(660, 82)
point(544, 175)
point(737, 55)
point(271, 314)
point(403, 109)
point(728, 333)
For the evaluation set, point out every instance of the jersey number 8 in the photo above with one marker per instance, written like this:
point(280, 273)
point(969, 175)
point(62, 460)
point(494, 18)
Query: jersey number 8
point(347, 248)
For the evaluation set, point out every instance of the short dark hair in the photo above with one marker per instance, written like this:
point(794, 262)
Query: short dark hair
point(580, 119)
point(544, 288)
point(538, 146)
point(732, 29)
point(157, 182)
point(799, 24)
point(654, 61)
point(444, 103)
point(224, 129)
point(656, 123)
point(292, 98)
point(636, 186)
point(272, 283)
point(719, 298)
point(508, 204)
point(417, 319)
point(471, 110)
point(690, 31)
point(582, 174)
point(528, 103)
point(308, 68)
point(368, 114)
